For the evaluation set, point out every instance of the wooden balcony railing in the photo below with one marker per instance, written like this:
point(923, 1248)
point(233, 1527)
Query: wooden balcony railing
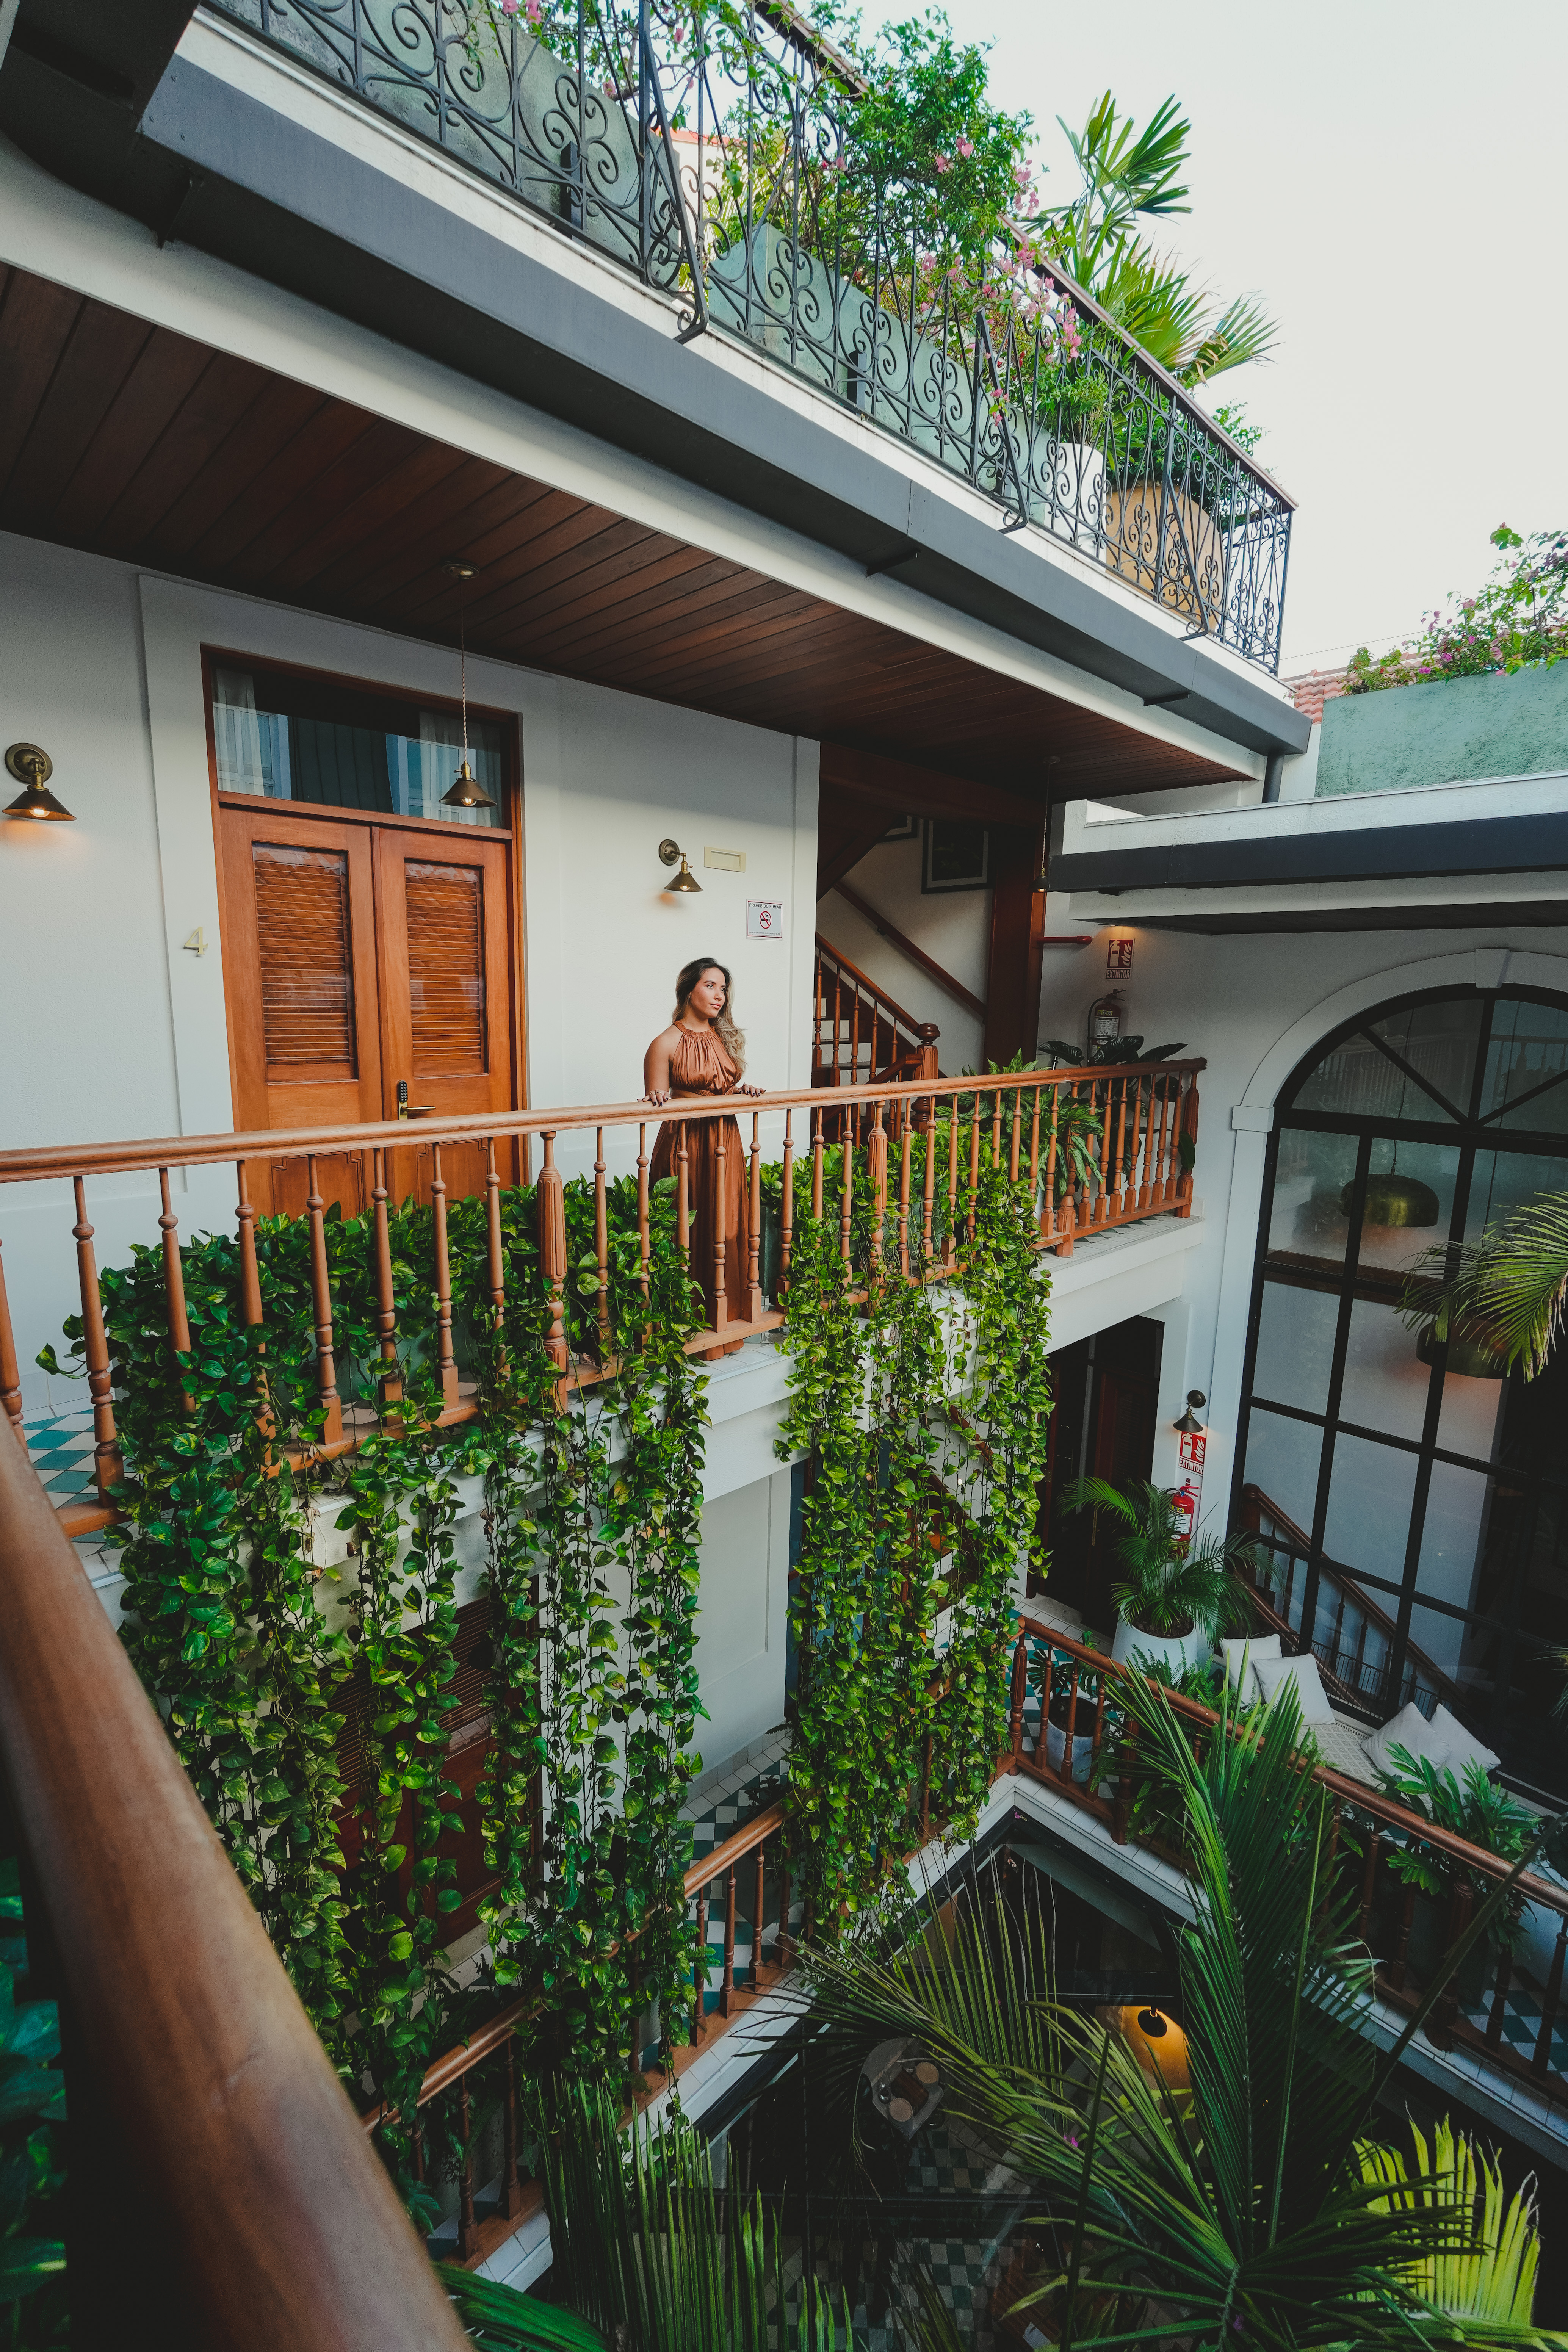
point(1083, 1722)
point(858, 1030)
point(220, 2189)
point(1356, 1653)
point(1097, 1149)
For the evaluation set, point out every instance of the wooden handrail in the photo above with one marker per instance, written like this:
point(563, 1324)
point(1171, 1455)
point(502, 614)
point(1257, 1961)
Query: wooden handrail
point(1343, 1580)
point(918, 956)
point(1382, 1809)
point(137, 1152)
point(735, 1849)
point(182, 2033)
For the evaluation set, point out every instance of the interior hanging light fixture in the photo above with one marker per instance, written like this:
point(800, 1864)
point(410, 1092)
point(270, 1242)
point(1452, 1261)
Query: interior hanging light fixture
point(1395, 1200)
point(465, 791)
point(32, 769)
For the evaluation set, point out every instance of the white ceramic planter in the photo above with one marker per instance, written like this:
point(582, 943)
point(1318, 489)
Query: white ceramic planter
point(1082, 1749)
point(1175, 1650)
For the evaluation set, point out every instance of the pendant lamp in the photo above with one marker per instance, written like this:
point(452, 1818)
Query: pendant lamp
point(465, 791)
point(1395, 1200)
point(1468, 1358)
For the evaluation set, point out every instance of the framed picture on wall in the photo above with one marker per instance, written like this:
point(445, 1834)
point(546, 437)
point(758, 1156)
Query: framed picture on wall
point(955, 856)
point(903, 828)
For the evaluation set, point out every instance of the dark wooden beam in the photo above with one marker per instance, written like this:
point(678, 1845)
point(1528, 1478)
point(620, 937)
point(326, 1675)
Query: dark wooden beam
point(1017, 920)
point(903, 790)
point(846, 830)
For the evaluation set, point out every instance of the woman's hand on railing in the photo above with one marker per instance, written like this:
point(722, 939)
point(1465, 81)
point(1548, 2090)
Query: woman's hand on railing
point(660, 1096)
point(745, 1086)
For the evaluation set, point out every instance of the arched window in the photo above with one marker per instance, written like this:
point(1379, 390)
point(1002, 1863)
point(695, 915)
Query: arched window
point(1415, 1505)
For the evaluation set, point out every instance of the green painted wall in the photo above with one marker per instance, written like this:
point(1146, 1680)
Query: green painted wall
point(1446, 734)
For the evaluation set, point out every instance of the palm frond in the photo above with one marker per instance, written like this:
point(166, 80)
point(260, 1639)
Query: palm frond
point(1508, 1292)
point(501, 2319)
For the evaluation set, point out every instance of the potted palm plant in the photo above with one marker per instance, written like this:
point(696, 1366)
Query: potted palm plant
point(1177, 1596)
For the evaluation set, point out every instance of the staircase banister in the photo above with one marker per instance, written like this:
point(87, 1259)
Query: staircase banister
point(1345, 1579)
point(182, 2033)
point(888, 1004)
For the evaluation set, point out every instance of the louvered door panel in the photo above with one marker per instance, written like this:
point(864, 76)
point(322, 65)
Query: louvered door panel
point(300, 981)
point(446, 916)
point(444, 990)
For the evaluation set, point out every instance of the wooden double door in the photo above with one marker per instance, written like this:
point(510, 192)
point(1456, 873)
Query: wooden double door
point(357, 956)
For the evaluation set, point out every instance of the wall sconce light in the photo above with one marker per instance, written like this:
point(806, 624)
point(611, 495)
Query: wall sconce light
point(1189, 1423)
point(669, 851)
point(33, 769)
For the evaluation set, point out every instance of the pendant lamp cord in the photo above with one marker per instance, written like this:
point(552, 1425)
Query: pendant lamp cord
point(463, 663)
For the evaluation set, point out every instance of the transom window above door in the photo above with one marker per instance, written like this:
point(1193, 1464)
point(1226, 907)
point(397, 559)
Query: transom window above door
point(294, 735)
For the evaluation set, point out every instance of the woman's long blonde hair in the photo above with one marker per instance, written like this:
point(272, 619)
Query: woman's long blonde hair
point(733, 1040)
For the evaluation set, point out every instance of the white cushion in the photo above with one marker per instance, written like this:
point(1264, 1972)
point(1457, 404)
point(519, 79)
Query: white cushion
point(1273, 1673)
point(1460, 1747)
point(1239, 1656)
point(1409, 1729)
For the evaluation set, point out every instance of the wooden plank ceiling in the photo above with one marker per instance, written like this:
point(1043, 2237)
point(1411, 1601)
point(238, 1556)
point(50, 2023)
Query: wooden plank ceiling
point(131, 441)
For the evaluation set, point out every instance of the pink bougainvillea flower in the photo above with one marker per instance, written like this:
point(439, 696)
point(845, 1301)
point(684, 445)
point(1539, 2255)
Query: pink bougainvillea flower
point(965, 145)
point(942, 163)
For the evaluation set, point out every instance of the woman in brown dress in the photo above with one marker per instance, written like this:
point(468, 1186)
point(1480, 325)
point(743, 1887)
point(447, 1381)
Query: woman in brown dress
point(703, 1053)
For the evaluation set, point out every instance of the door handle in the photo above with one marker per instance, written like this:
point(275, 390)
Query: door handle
point(405, 1109)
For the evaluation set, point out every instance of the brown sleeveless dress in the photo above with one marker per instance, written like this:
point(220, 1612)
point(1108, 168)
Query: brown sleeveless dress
point(699, 1066)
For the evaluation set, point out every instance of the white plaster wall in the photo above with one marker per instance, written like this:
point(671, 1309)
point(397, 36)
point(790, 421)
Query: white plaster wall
point(118, 1032)
point(954, 927)
point(742, 1604)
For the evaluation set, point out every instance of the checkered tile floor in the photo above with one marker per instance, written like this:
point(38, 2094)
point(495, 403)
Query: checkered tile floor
point(965, 2272)
point(59, 1446)
point(1521, 2025)
point(716, 1815)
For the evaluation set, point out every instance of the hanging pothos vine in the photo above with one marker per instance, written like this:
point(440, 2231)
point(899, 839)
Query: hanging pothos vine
point(921, 1407)
point(310, 1705)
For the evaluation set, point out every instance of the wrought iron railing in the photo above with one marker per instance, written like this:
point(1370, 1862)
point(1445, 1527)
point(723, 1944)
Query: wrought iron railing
point(713, 152)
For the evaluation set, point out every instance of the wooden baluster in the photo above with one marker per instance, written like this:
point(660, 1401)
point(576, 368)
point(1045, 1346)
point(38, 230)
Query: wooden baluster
point(1137, 1185)
point(1126, 1775)
point(106, 1448)
point(173, 1279)
point(1369, 1885)
point(321, 1308)
point(390, 1386)
point(1017, 1697)
point(549, 1198)
point(511, 2185)
point(1445, 2016)
point(1098, 1734)
point(995, 1128)
point(906, 1144)
point(786, 1206)
point(466, 2177)
point(729, 1941)
point(928, 1188)
point(755, 1224)
point(417, 2142)
point(445, 1363)
point(699, 1968)
point(759, 1911)
point(602, 1245)
point(1406, 1920)
point(250, 1296)
point(1048, 1205)
point(818, 1151)
point(854, 1051)
point(683, 1202)
point(10, 1372)
point(950, 1248)
point(837, 1026)
point(876, 1177)
point(817, 1008)
point(1189, 1128)
point(495, 1248)
point(721, 1228)
point(1122, 1180)
point(1035, 1147)
point(1332, 1864)
point(1541, 2062)
point(847, 1202)
point(1499, 1997)
point(969, 1227)
point(1015, 1144)
point(645, 1229)
point(1068, 1734)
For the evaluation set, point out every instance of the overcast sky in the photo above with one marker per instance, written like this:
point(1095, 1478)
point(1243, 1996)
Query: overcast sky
point(1388, 177)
